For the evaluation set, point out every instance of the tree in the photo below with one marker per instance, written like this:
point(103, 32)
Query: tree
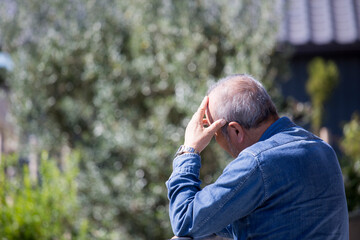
point(323, 78)
point(119, 80)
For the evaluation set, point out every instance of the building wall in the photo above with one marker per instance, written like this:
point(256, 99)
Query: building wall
point(345, 99)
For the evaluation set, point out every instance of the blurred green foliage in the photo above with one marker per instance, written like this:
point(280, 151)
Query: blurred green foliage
point(323, 78)
point(39, 210)
point(118, 81)
point(351, 161)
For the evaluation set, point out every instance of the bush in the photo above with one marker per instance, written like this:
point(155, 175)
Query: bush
point(44, 209)
point(351, 161)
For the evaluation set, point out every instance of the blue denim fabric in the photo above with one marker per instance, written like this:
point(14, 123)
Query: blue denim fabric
point(286, 186)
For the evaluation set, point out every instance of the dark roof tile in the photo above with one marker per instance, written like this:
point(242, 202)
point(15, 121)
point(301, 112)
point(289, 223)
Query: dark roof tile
point(319, 21)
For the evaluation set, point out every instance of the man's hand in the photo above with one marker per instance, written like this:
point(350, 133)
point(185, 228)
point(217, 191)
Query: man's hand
point(197, 135)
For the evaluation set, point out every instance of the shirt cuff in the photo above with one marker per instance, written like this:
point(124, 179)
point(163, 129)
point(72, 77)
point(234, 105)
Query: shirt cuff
point(187, 163)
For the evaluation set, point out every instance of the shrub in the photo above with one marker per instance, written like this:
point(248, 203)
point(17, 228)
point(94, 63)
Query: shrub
point(42, 208)
point(351, 161)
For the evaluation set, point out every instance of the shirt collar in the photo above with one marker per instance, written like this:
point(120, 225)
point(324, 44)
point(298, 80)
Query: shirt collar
point(277, 126)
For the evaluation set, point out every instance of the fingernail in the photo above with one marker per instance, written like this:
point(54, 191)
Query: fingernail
point(223, 121)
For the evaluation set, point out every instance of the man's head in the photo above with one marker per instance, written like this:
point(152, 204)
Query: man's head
point(245, 105)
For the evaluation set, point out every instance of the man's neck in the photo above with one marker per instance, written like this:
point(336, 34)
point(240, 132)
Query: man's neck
point(254, 134)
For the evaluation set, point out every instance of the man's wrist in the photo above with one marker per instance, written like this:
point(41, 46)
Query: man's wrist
point(186, 149)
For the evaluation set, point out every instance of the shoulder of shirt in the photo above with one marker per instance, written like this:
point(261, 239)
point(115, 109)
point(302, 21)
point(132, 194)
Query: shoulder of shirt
point(285, 136)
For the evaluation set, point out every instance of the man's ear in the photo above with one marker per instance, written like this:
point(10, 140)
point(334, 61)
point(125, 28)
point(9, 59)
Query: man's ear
point(236, 132)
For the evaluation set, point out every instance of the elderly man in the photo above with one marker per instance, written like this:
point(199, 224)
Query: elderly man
point(284, 183)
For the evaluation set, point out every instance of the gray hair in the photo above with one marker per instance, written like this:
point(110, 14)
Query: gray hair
point(244, 100)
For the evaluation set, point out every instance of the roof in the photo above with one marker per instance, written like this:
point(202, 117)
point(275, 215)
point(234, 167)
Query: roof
point(320, 22)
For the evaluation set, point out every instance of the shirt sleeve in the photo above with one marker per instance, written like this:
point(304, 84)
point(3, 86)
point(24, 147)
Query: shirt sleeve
point(199, 212)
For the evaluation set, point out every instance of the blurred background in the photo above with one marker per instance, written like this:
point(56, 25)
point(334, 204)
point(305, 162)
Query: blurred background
point(95, 97)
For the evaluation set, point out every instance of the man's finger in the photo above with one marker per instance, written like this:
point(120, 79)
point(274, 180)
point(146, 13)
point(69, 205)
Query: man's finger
point(216, 126)
point(202, 108)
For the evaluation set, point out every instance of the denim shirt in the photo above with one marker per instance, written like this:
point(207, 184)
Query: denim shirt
point(288, 185)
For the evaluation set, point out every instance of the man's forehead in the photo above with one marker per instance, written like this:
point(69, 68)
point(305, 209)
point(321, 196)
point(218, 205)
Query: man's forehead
point(213, 100)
